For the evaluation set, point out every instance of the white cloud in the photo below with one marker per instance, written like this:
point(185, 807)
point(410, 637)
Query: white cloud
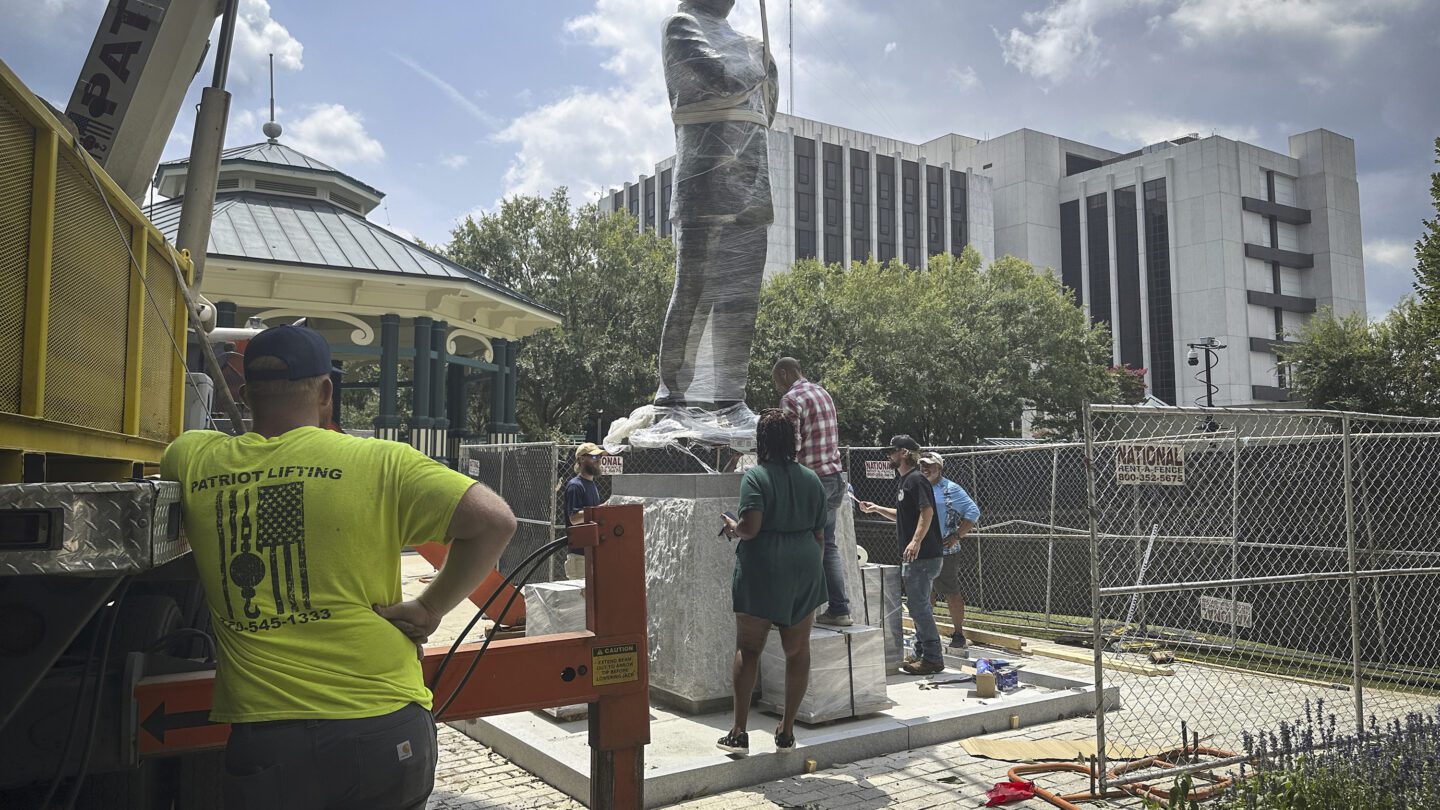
point(590, 138)
point(964, 78)
point(454, 161)
point(890, 48)
point(1389, 273)
point(1144, 130)
point(257, 35)
point(1064, 40)
point(334, 134)
point(587, 141)
point(450, 91)
point(1390, 253)
point(1344, 25)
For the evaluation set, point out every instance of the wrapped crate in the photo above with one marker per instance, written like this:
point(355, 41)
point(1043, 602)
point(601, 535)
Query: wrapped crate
point(847, 674)
point(879, 605)
point(556, 607)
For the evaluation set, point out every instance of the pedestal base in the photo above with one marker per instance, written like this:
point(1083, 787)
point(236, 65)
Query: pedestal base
point(687, 579)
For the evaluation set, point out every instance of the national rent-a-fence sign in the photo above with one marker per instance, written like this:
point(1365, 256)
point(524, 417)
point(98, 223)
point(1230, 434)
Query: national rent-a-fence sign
point(1162, 464)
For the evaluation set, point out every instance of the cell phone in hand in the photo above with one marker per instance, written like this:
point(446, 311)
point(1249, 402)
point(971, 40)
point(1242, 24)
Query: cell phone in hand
point(724, 526)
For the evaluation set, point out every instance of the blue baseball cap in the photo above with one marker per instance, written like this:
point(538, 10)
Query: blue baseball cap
point(303, 351)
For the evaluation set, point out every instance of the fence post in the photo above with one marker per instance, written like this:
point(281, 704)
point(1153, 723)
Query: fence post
point(1050, 541)
point(1092, 511)
point(979, 541)
point(1358, 687)
point(1234, 537)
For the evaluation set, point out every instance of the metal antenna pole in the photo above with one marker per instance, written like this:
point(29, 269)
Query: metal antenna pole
point(272, 87)
point(791, 26)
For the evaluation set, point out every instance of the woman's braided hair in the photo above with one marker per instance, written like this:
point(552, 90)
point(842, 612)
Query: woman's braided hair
point(775, 436)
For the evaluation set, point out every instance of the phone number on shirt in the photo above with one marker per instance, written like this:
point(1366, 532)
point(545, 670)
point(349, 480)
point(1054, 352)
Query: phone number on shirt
point(278, 621)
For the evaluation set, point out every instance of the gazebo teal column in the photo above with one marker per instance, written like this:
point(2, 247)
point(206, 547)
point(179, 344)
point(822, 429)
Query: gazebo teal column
point(498, 428)
point(387, 422)
point(512, 352)
point(225, 314)
point(421, 422)
point(439, 362)
point(457, 409)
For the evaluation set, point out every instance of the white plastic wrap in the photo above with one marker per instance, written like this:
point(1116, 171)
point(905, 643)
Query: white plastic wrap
point(878, 602)
point(651, 426)
point(847, 674)
point(722, 88)
point(556, 607)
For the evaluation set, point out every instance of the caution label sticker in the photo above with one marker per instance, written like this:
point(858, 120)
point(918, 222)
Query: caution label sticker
point(618, 663)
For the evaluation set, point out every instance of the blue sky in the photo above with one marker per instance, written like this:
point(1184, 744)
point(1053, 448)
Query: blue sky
point(448, 106)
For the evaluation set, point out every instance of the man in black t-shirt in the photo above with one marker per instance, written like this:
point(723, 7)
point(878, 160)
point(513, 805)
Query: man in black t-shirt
point(921, 550)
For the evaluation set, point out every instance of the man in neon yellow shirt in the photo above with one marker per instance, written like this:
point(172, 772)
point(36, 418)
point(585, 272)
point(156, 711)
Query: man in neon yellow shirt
point(297, 533)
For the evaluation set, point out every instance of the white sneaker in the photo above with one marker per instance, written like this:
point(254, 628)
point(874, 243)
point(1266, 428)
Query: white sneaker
point(843, 620)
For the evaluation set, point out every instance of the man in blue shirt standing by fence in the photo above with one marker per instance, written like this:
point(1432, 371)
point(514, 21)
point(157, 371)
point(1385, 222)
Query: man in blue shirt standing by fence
point(957, 513)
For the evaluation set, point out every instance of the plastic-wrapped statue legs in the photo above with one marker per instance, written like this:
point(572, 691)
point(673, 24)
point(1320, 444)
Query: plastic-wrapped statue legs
point(705, 344)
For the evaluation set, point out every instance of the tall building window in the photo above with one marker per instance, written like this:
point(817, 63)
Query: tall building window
point(859, 205)
point(1127, 279)
point(804, 198)
point(1157, 275)
point(885, 208)
point(1098, 230)
point(632, 201)
point(617, 202)
point(959, 235)
point(910, 208)
point(833, 182)
point(666, 189)
point(1071, 270)
point(1075, 164)
point(934, 210)
point(649, 217)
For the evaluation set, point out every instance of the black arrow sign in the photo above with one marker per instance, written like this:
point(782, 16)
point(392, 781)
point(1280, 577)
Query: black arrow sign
point(158, 722)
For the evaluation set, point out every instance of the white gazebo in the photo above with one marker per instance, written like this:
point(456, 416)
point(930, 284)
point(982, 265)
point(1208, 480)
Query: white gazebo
point(290, 239)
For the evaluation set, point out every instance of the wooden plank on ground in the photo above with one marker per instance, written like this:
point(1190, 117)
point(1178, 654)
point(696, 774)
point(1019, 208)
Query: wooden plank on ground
point(1079, 656)
point(1013, 644)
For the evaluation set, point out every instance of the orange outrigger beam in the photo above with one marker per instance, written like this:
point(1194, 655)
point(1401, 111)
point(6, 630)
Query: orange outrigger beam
point(606, 666)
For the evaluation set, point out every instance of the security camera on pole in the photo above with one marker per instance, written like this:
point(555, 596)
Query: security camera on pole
point(1210, 346)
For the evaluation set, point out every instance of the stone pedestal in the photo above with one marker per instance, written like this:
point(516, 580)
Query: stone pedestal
point(688, 574)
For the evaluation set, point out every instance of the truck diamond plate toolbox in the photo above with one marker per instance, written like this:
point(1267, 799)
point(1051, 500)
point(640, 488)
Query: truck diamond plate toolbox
point(96, 527)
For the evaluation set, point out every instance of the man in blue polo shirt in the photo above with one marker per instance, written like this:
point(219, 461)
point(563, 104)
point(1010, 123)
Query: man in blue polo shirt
point(957, 513)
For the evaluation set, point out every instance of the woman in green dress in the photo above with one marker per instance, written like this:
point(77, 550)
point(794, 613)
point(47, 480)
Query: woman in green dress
point(779, 576)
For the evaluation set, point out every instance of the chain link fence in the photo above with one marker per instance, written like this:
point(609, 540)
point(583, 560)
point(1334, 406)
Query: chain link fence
point(1291, 552)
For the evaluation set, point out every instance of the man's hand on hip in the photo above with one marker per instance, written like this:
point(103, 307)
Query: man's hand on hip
point(412, 617)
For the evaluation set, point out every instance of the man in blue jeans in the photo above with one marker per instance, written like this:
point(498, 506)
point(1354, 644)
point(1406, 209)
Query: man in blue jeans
point(817, 437)
point(921, 551)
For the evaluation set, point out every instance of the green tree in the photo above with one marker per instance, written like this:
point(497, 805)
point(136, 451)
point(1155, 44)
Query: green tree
point(1427, 257)
point(1345, 363)
point(610, 283)
point(948, 354)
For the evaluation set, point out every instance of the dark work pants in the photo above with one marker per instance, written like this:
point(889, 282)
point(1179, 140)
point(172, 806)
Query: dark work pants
point(717, 289)
point(376, 763)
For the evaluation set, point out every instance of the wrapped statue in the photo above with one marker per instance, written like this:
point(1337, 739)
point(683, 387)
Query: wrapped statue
point(723, 89)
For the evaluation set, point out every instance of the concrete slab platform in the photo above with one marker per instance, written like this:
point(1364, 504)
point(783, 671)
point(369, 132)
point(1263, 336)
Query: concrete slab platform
point(682, 762)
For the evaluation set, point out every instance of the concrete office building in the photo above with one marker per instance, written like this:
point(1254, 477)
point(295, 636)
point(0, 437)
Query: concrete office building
point(1182, 240)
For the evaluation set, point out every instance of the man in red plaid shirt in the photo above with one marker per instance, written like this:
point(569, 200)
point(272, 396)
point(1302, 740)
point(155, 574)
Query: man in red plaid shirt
point(818, 447)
